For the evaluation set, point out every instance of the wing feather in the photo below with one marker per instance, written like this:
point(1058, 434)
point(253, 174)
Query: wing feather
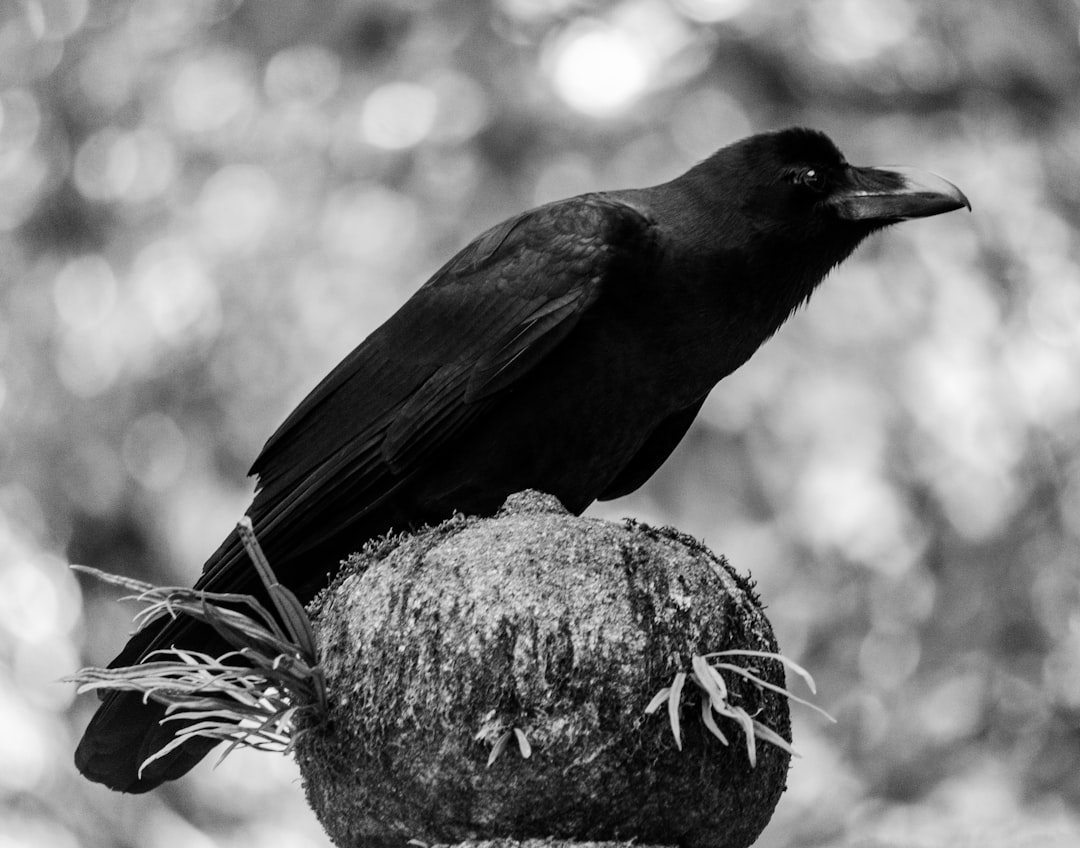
point(529, 342)
point(486, 319)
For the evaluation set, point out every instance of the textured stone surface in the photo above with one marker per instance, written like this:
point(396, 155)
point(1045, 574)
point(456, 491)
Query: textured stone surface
point(437, 644)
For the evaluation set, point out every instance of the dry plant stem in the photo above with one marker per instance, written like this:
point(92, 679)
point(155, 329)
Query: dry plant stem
point(251, 696)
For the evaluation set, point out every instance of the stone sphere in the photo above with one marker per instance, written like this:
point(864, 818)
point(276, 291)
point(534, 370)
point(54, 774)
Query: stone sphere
point(536, 632)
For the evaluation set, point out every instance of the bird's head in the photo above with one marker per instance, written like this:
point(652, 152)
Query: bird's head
point(795, 187)
point(801, 179)
point(787, 206)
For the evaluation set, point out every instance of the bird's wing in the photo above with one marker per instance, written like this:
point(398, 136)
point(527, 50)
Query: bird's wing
point(485, 319)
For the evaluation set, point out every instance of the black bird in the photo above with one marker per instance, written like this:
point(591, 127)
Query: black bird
point(567, 349)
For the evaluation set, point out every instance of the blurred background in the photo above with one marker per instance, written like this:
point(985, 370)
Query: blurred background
point(204, 204)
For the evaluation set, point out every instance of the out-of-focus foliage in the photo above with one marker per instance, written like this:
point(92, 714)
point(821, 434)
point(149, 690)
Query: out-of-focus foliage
point(204, 204)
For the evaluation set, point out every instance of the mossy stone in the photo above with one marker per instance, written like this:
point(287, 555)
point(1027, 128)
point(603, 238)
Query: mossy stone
point(438, 644)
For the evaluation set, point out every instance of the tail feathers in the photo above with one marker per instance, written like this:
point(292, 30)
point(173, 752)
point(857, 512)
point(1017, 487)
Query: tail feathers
point(139, 645)
point(123, 734)
point(126, 730)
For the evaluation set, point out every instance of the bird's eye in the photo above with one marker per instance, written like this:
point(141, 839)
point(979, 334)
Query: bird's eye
point(813, 179)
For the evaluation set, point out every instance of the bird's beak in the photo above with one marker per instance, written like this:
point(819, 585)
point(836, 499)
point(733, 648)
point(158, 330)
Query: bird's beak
point(895, 194)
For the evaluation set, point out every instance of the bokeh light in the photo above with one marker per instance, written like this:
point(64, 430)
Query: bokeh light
point(238, 207)
point(307, 73)
point(171, 285)
point(212, 93)
point(712, 11)
point(847, 31)
point(85, 292)
point(154, 450)
point(398, 115)
point(113, 165)
point(599, 68)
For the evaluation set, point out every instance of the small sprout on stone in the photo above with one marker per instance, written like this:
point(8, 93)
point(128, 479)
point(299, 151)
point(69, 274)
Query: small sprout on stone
point(498, 748)
point(673, 706)
point(250, 696)
point(523, 743)
point(715, 697)
point(493, 728)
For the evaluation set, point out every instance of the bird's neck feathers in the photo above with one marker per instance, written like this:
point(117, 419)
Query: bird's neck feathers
point(793, 278)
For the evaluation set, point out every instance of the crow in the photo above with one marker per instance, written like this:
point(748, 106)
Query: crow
point(567, 349)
